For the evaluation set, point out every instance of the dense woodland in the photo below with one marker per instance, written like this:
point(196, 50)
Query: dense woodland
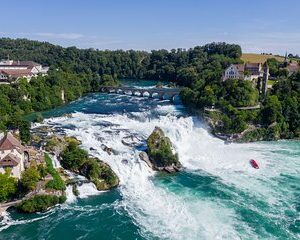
point(79, 71)
point(198, 70)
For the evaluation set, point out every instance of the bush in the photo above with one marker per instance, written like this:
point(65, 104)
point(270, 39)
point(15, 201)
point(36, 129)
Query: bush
point(24, 129)
point(40, 203)
point(8, 187)
point(99, 173)
point(160, 149)
point(42, 170)
point(73, 156)
point(62, 199)
point(39, 118)
point(30, 178)
point(56, 183)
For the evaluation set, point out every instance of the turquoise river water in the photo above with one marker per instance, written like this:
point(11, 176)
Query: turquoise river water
point(217, 196)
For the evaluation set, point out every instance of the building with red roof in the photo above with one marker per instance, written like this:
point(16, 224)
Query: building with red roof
point(248, 71)
point(12, 156)
point(11, 71)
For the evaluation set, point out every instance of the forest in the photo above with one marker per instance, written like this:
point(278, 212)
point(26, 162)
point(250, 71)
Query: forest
point(198, 70)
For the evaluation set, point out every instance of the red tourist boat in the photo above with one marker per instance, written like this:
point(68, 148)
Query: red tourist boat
point(254, 164)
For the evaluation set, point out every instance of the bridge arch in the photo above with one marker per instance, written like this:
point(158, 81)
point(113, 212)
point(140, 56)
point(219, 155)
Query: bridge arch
point(120, 91)
point(154, 95)
point(167, 96)
point(127, 92)
point(161, 93)
point(112, 90)
point(136, 93)
point(175, 98)
point(146, 94)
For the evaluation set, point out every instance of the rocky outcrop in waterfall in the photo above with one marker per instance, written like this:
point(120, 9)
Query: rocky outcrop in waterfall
point(99, 173)
point(162, 155)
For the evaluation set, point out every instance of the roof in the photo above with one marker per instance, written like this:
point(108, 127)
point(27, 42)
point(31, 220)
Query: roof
point(16, 72)
point(293, 67)
point(10, 160)
point(240, 67)
point(26, 63)
point(252, 65)
point(10, 142)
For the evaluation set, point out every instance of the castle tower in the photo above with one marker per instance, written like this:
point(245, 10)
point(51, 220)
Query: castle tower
point(265, 79)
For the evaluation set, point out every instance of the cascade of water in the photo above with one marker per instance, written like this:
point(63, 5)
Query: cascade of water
point(55, 161)
point(146, 203)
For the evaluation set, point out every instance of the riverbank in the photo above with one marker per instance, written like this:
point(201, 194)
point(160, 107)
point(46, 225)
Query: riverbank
point(251, 133)
point(49, 179)
point(216, 195)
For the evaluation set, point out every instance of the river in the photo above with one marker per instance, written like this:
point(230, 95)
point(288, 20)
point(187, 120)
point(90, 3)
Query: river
point(217, 196)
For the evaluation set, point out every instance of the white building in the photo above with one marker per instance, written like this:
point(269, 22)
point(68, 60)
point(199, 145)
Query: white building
point(234, 71)
point(248, 71)
point(12, 156)
point(13, 70)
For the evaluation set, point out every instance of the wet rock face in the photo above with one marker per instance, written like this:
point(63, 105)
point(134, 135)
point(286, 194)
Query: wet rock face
point(161, 153)
point(144, 157)
point(109, 150)
point(99, 173)
point(131, 141)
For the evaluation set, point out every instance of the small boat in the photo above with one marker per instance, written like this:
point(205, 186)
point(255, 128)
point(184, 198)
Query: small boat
point(254, 164)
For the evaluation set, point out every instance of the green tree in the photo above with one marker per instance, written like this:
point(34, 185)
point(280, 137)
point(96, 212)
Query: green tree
point(73, 156)
point(42, 170)
point(8, 187)
point(272, 110)
point(187, 76)
point(24, 129)
point(30, 178)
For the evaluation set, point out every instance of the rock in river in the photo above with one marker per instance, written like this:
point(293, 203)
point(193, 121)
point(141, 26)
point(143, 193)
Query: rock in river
point(144, 157)
point(161, 153)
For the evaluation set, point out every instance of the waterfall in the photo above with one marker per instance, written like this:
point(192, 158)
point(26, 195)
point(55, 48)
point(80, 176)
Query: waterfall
point(146, 203)
point(55, 161)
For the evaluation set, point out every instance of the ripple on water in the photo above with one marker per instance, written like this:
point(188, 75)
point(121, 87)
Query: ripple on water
point(219, 196)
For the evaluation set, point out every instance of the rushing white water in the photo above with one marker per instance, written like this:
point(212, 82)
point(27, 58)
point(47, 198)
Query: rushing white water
point(55, 162)
point(8, 221)
point(71, 198)
point(160, 212)
point(87, 189)
point(84, 190)
point(155, 210)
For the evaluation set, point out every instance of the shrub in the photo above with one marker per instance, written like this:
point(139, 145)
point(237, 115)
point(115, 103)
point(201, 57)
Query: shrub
point(73, 156)
point(40, 203)
point(30, 178)
point(24, 129)
point(99, 173)
point(8, 187)
point(160, 149)
point(39, 117)
point(42, 170)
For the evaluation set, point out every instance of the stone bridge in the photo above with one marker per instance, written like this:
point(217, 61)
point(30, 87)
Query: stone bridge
point(161, 93)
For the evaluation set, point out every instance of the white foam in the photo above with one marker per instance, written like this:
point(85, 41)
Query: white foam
point(156, 210)
point(8, 221)
point(71, 198)
point(87, 189)
point(55, 161)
